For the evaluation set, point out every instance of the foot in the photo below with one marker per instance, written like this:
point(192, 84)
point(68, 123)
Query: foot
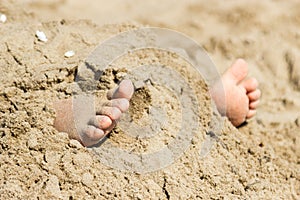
point(241, 94)
point(107, 115)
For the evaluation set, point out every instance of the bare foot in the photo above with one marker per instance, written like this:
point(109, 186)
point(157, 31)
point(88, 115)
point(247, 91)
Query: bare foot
point(241, 93)
point(107, 114)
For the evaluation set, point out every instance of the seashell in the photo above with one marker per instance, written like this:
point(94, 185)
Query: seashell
point(3, 18)
point(69, 54)
point(41, 36)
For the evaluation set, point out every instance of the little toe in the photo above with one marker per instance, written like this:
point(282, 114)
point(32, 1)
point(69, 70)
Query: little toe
point(251, 113)
point(101, 121)
point(124, 90)
point(113, 113)
point(250, 84)
point(238, 71)
point(254, 104)
point(255, 95)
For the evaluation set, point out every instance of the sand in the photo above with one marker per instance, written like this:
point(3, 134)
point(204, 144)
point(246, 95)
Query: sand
point(260, 160)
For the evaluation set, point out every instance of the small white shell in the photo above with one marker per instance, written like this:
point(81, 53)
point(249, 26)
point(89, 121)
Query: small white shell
point(3, 18)
point(69, 54)
point(41, 36)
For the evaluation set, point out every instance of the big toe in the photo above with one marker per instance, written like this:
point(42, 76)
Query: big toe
point(237, 72)
point(124, 90)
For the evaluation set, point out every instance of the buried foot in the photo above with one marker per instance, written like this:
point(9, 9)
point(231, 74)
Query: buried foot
point(108, 113)
point(105, 119)
point(241, 93)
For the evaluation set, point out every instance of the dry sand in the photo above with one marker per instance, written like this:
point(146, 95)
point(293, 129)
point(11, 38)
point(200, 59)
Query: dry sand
point(258, 161)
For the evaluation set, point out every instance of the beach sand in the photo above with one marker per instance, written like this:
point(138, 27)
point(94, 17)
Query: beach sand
point(260, 160)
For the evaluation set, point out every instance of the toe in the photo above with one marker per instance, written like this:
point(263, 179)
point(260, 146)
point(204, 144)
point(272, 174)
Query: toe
point(122, 104)
point(109, 129)
point(101, 121)
point(251, 114)
point(91, 135)
point(250, 84)
point(124, 90)
point(238, 71)
point(255, 95)
point(113, 113)
point(254, 104)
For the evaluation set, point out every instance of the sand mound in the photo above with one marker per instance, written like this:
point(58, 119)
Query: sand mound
point(260, 160)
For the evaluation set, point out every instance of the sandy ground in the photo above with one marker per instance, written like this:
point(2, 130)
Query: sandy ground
point(260, 160)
